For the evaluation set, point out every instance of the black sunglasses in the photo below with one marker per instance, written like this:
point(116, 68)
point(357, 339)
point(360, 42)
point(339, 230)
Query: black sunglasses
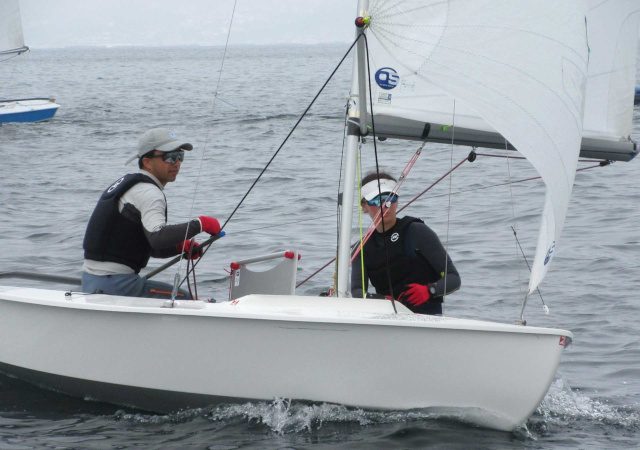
point(170, 157)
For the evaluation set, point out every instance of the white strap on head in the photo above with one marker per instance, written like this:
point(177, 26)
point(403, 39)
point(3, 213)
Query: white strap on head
point(370, 190)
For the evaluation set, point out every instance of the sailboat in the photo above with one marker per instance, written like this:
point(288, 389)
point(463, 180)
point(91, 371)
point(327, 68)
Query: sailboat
point(33, 109)
point(455, 72)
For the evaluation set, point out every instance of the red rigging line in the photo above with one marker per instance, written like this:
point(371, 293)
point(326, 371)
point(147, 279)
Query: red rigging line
point(377, 218)
point(470, 158)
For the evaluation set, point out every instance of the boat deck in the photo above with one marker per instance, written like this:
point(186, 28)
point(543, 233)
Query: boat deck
point(268, 307)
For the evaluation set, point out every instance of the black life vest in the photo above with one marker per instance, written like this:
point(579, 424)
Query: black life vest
point(111, 236)
point(406, 265)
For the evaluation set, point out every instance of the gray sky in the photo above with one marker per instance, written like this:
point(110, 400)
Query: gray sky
point(62, 23)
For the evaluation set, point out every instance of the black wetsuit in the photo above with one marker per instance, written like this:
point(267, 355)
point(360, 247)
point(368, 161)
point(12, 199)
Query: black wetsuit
point(415, 254)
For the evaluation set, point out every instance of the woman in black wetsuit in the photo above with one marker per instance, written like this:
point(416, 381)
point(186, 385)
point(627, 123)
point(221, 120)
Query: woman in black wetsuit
point(419, 271)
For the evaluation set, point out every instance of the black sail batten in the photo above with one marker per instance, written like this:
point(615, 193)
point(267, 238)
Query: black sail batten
point(609, 150)
point(397, 128)
point(18, 50)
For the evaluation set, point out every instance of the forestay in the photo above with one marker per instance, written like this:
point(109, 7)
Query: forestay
point(515, 67)
point(11, 38)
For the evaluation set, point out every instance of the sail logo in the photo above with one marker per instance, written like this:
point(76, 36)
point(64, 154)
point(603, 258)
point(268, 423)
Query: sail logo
point(115, 184)
point(387, 78)
point(550, 253)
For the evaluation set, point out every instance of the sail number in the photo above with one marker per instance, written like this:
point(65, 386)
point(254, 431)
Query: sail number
point(550, 253)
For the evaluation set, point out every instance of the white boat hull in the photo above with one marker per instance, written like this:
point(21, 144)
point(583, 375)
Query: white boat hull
point(352, 352)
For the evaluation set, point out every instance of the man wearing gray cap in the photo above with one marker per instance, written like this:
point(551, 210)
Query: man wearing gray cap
point(129, 223)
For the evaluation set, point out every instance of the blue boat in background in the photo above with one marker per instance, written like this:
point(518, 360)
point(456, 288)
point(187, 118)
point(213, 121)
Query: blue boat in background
point(27, 110)
point(636, 99)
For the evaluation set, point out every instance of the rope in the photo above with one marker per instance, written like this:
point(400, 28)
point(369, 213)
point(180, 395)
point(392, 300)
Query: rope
point(376, 220)
point(359, 162)
point(600, 164)
point(436, 182)
point(375, 151)
point(276, 152)
point(315, 219)
point(403, 175)
point(373, 227)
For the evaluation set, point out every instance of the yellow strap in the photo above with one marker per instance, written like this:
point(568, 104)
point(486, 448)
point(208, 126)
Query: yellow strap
point(364, 291)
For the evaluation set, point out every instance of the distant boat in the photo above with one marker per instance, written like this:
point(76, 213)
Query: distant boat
point(27, 109)
point(636, 99)
point(12, 43)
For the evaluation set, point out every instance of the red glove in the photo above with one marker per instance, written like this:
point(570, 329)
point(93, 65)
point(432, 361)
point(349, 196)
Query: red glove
point(415, 295)
point(209, 225)
point(190, 248)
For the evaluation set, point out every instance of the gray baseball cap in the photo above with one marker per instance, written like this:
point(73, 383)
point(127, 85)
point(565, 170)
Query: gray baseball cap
point(160, 139)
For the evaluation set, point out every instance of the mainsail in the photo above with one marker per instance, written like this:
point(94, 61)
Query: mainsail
point(511, 72)
point(426, 108)
point(612, 28)
point(11, 38)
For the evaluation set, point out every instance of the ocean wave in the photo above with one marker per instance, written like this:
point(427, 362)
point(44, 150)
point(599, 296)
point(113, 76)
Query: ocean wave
point(564, 406)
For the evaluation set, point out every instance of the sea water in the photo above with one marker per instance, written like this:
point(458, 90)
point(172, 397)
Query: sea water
point(237, 115)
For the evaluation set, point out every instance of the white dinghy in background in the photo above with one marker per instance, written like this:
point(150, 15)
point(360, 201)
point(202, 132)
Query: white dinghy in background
point(12, 43)
point(159, 355)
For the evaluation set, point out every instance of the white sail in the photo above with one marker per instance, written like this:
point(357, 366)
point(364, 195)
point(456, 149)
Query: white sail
point(516, 67)
point(11, 38)
point(419, 110)
point(612, 29)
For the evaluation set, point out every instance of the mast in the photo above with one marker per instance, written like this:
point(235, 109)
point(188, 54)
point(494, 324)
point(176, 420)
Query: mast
point(356, 127)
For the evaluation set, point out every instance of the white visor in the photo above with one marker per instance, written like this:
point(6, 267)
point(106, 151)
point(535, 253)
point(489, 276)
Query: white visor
point(370, 190)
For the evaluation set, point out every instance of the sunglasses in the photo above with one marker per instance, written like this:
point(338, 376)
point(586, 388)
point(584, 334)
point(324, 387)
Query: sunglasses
point(384, 198)
point(171, 157)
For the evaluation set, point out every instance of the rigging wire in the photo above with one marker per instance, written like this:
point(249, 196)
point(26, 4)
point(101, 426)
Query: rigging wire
point(513, 218)
point(515, 235)
point(339, 202)
point(176, 286)
point(9, 83)
point(206, 247)
point(446, 249)
point(10, 57)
